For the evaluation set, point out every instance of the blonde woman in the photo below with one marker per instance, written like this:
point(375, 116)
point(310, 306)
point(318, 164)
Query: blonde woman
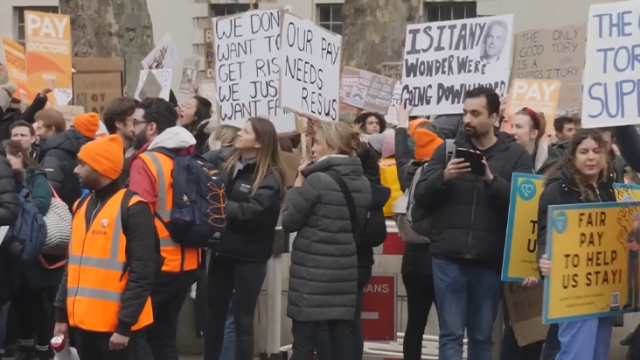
point(224, 136)
point(238, 262)
point(326, 207)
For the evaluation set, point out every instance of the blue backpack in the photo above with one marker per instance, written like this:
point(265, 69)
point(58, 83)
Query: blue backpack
point(29, 233)
point(198, 216)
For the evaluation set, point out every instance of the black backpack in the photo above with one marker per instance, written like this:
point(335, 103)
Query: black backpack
point(198, 216)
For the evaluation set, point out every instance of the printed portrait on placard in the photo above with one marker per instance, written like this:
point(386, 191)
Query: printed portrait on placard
point(493, 41)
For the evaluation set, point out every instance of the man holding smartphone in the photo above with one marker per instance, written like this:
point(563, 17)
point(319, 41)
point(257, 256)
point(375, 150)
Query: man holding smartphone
point(469, 217)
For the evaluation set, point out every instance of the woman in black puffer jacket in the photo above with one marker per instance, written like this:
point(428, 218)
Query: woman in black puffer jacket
point(9, 208)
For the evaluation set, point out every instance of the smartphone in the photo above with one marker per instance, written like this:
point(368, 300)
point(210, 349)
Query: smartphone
point(473, 158)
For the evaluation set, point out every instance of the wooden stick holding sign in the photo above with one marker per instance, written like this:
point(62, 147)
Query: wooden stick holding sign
point(301, 128)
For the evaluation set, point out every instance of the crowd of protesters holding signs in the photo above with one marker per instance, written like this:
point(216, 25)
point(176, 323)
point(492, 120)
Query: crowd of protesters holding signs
point(505, 199)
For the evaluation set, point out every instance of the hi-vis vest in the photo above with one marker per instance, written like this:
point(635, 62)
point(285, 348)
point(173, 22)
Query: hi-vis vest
point(95, 279)
point(161, 166)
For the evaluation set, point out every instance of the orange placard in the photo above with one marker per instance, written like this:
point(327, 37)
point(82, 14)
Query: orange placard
point(48, 40)
point(16, 65)
point(539, 95)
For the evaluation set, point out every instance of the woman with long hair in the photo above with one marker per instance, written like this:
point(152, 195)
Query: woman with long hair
point(194, 116)
point(581, 176)
point(238, 262)
point(34, 286)
point(327, 208)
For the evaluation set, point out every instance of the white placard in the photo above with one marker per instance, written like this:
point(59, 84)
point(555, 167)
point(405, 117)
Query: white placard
point(392, 114)
point(443, 60)
point(164, 79)
point(246, 68)
point(63, 96)
point(611, 79)
point(310, 63)
point(163, 56)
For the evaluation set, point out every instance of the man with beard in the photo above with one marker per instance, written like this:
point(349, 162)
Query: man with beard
point(150, 176)
point(118, 119)
point(114, 250)
point(469, 218)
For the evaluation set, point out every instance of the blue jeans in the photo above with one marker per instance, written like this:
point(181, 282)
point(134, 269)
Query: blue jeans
point(467, 298)
point(229, 346)
point(585, 339)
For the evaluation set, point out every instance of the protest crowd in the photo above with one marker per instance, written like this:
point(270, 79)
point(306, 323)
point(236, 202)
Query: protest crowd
point(512, 193)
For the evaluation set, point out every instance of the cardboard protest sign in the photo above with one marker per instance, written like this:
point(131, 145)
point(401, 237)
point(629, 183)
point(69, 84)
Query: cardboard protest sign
point(207, 89)
point(209, 60)
point(392, 70)
point(539, 95)
point(310, 68)
point(247, 72)
point(593, 249)
point(69, 112)
point(48, 43)
point(190, 71)
point(348, 113)
point(163, 56)
point(547, 54)
point(154, 83)
point(96, 82)
point(16, 65)
point(366, 90)
point(521, 242)
point(611, 82)
point(524, 305)
point(442, 62)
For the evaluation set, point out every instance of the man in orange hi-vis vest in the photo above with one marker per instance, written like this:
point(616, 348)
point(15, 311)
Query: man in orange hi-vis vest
point(114, 253)
point(151, 176)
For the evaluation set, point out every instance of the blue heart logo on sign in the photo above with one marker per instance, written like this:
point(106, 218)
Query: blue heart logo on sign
point(560, 222)
point(527, 190)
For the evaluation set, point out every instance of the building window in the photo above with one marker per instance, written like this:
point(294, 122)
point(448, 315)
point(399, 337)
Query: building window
point(216, 10)
point(449, 10)
point(18, 13)
point(329, 16)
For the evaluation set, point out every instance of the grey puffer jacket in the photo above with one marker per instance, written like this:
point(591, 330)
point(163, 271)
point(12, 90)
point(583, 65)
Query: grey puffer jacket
point(323, 274)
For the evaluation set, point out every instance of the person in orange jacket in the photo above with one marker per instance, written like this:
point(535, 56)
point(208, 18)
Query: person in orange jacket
point(104, 296)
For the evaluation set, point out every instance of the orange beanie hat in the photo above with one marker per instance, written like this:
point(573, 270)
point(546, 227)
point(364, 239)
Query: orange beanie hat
point(425, 138)
point(105, 156)
point(87, 124)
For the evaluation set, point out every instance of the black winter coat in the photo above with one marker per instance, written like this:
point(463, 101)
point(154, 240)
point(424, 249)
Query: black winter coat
point(251, 219)
point(59, 157)
point(561, 189)
point(7, 118)
point(470, 215)
point(9, 205)
point(9, 208)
